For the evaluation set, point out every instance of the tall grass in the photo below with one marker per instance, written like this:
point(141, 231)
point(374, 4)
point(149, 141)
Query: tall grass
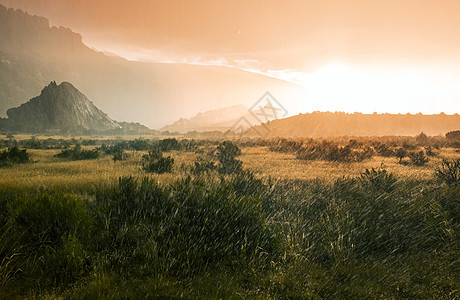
point(239, 235)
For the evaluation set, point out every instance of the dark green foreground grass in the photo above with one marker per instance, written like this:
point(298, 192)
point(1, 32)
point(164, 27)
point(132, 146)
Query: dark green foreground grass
point(234, 237)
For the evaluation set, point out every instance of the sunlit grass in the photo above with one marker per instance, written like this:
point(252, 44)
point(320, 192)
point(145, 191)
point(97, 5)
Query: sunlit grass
point(83, 175)
point(368, 236)
point(49, 171)
point(286, 166)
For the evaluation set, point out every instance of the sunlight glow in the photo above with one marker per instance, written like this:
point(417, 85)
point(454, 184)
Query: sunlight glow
point(340, 87)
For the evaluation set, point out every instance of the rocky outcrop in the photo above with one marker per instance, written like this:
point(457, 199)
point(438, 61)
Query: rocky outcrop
point(63, 108)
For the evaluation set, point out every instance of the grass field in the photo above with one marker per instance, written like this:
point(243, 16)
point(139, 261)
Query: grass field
point(282, 228)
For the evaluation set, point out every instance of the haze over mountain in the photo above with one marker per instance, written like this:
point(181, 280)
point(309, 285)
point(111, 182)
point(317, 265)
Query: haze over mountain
point(63, 108)
point(32, 54)
point(228, 118)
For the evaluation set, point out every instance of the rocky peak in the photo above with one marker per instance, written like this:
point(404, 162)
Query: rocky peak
point(60, 107)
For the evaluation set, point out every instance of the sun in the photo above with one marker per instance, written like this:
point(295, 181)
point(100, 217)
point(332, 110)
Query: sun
point(338, 86)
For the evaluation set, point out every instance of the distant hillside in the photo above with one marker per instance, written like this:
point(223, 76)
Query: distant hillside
point(327, 124)
point(32, 54)
point(63, 108)
point(222, 119)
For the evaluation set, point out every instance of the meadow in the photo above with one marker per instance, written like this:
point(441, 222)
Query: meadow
point(130, 218)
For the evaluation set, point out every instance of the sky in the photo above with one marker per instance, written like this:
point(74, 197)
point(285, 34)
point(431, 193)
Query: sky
point(403, 51)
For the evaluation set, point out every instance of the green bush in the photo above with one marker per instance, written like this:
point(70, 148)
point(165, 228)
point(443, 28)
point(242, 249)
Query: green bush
point(418, 158)
point(226, 153)
point(422, 139)
point(449, 171)
point(360, 219)
point(332, 152)
point(202, 166)
point(378, 180)
point(154, 162)
point(384, 150)
point(186, 227)
point(78, 154)
point(45, 232)
point(453, 135)
point(401, 153)
point(119, 155)
point(13, 156)
point(169, 144)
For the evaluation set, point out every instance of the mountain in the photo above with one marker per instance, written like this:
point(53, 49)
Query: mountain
point(63, 108)
point(328, 124)
point(213, 120)
point(155, 94)
point(223, 119)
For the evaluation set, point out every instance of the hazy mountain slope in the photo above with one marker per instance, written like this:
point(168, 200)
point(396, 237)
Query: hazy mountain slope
point(327, 124)
point(217, 119)
point(32, 54)
point(228, 118)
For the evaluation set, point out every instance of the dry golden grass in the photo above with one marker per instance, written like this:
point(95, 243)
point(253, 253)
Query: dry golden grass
point(83, 175)
point(286, 166)
point(89, 175)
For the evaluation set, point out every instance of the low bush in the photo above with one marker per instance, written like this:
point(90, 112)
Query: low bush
point(78, 154)
point(430, 152)
point(418, 158)
point(42, 239)
point(401, 153)
point(285, 146)
point(154, 162)
point(186, 227)
point(169, 144)
point(13, 156)
point(202, 166)
point(333, 152)
point(378, 180)
point(226, 153)
point(369, 216)
point(120, 155)
point(384, 150)
point(449, 171)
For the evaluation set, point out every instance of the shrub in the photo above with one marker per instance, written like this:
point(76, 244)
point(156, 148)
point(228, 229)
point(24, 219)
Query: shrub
point(202, 166)
point(453, 135)
point(226, 153)
point(421, 139)
point(401, 153)
point(78, 154)
point(189, 145)
point(384, 150)
point(169, 144)
point(46, 231)
point(378, 180)
point(418, 158)
point(332, 152)
point(184, 228)
point(311, 152)
point(119, 155)
point(449, 171)
point(370, 216)
point(14, 155)
point(285, 146)
point(429, 152)
point(154, 162)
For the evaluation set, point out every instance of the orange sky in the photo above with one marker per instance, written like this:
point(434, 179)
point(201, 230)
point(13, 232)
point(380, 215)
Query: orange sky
point(279, 34)
point(417, 42)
